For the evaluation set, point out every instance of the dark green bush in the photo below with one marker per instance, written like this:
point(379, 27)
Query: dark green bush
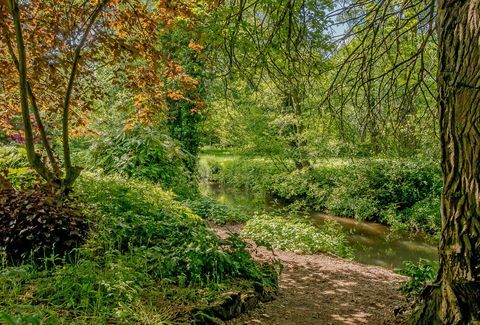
point(35, 223)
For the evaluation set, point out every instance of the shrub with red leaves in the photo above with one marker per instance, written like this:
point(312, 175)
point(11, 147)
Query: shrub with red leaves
point(35, 223)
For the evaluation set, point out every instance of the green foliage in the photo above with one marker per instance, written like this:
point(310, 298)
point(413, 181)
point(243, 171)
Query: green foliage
point(13, 161)
point(147, 259)
point(142, 217)
point(13, 157)
point(211, 210)
point(297, 236)
point(22, 178)
point(424, 216)
point(96, 286)
point(35, 223)
point(254, 175)
point(401, 193)
point(382, 183)
point(147, 155)
point(310, 186)
point(420, 275)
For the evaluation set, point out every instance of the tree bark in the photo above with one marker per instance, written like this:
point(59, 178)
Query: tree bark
point(33, 102)
point(455, 297)
point(33, 158)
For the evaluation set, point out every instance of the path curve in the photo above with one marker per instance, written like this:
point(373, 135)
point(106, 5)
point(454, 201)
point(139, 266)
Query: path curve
point(323, 289)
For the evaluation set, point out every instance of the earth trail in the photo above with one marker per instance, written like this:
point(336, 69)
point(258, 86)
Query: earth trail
point(323, 289)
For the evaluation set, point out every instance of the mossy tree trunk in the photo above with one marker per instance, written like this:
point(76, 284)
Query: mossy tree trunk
point(455, 297)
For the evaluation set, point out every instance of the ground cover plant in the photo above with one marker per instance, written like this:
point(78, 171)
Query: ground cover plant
point(297, 236)
point(147, 258)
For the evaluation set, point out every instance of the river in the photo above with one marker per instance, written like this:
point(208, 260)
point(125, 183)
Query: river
point(372, 243)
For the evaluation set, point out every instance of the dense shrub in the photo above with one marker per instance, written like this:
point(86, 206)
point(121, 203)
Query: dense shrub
point(297, 236)
point(140, 217)
point(309, 186)
point(420, 275)
point(401, 193)
point(36, 223)
point(422, 216)
point(373, 187)
point(147, 155)
point(254, 175)
point(211, 210)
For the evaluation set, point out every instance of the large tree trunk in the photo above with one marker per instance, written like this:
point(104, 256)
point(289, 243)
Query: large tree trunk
point(455, 297)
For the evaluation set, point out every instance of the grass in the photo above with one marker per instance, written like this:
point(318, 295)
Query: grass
point(148, 259)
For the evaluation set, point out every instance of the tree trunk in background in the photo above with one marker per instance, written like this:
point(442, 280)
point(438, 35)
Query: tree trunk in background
point(293, 105)
point(455, 297)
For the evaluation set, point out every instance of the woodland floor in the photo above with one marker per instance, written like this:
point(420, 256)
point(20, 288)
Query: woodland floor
point(322, 289)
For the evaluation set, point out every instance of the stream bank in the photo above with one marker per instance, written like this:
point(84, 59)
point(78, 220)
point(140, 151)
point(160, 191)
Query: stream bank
point(372, 243)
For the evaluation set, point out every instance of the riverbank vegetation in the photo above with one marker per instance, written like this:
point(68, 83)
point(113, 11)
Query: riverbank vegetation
point(147, 258)
point(401, 193)
point(114, 113)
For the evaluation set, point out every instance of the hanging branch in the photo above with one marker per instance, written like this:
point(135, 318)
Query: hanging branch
point(384, 48)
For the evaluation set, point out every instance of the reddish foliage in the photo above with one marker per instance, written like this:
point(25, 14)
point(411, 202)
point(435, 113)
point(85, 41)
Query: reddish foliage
point(37, 223)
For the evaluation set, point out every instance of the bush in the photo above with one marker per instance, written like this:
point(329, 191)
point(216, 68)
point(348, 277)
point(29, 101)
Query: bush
point(220, 214)
point(311, 187)
point(146, 155)
point(254, 175)
point(140, 217)
point(297, 236)
point(401, 193)
point(420, 275)
point(36, 223)
point(373, 187)
point(424, 215)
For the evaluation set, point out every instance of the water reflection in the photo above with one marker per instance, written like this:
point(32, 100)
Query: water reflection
point(373, 243)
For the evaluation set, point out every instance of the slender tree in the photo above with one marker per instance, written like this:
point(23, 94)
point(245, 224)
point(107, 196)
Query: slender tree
point(50, 52)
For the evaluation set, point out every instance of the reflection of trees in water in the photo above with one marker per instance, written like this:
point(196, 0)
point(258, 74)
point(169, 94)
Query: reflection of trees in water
point(373, 243)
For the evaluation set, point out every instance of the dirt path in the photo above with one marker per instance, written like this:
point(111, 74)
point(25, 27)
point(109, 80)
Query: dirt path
point(321, 289)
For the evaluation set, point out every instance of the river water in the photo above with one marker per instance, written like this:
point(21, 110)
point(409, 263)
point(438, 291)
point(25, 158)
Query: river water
point(372, 243)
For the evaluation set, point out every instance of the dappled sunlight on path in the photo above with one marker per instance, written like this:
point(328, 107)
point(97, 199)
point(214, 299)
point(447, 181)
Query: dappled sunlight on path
point(322, 289)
